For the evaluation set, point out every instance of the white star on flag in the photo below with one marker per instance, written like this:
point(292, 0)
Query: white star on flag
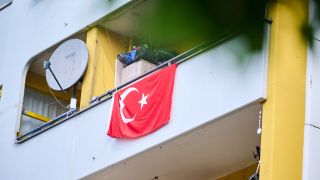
point(143, 100)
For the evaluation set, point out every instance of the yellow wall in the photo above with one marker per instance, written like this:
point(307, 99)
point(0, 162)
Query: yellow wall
point(39, 83)
point(242, 174)
point(103, 48)
point(283, 112)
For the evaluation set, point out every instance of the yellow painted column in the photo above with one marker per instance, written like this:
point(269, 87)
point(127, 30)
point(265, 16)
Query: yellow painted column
point(103, 48)
point(284, 110)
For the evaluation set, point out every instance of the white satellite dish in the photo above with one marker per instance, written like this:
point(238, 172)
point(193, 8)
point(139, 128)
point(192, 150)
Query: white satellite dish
point(67, 63)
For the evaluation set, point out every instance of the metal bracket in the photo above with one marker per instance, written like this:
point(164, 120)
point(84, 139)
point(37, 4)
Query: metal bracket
point(46, 65)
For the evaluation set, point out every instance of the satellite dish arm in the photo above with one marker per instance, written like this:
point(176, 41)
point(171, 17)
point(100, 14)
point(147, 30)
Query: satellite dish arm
point(46, 65)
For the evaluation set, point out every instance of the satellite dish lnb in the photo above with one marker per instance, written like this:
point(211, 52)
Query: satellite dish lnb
point(67, 64)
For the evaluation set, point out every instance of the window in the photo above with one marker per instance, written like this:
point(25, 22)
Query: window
point(39, 108)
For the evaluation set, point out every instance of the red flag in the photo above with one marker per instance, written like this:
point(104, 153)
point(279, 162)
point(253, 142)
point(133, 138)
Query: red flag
point(144, 106)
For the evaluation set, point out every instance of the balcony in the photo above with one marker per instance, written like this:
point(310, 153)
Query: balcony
point(212, 130)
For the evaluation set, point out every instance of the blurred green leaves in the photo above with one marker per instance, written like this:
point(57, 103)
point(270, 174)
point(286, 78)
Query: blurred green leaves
point(170, 21)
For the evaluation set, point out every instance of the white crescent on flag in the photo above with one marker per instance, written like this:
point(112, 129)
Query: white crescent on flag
point(122, 98)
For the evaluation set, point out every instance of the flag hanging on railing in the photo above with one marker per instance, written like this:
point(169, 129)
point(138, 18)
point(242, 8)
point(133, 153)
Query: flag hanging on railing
point(144, 106)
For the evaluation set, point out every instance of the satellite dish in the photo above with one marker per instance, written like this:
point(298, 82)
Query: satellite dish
point(68, 63)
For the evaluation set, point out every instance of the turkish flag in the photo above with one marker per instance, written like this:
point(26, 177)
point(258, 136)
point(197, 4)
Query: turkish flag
point(144, 106)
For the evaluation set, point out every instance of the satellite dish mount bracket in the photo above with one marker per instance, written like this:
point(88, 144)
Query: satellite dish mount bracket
point(46, 65)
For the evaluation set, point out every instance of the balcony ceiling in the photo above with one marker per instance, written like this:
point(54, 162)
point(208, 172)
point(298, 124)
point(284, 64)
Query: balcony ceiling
point(126, 21)
point(211, 151)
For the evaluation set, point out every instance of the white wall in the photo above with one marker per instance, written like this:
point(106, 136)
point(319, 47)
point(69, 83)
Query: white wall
point(311, 155)
point(311, 160)
point(207, 87)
